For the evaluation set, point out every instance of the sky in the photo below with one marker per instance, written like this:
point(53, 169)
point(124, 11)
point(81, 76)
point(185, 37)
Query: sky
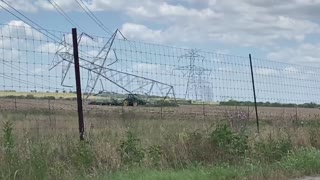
point(285, 31)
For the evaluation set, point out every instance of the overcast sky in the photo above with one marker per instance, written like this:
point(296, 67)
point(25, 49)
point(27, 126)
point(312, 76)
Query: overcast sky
point(286, 30)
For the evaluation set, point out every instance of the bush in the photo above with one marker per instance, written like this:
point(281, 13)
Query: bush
point(82, 156)
point(30, 96)
point(48, 97)
point(272, 150)
point(231, 143)
point(165, 103)
point(306, 161)
point(130, 151)
point(222, 145)
point(195, 146)
point(155, 153)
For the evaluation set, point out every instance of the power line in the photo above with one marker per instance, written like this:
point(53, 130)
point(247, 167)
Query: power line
point(39, 77)
point(61, 12)
point(25, 81)
point(38, 28)
point(92, 16)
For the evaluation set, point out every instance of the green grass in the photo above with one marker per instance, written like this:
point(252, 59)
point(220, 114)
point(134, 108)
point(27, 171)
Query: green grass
point(304, 162)
point(192, 173)
point(152, 149)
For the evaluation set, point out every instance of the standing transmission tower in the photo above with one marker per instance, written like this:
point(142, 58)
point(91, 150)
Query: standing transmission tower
point(197, 87)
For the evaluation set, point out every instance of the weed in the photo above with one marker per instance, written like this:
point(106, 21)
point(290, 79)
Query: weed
point(38, 162)
point(130, 151)
point(167, 145)
point(272, 149)
point(313, 137)
point(198, 147)
point(82, 156)
point(155, 154)
point(8, 136)
point(305, 161)
point(11, 161)
point(231, 143)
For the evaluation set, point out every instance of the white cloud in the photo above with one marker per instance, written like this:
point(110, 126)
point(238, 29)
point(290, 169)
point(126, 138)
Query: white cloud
point(12, 55)
point(171, 12)
point(40, 69)
point(49, 48)
point(23, 5)
point(19, 30)
point(266, 71)
point(172, 35)
point(146, 67)
point(295, 72)
point(245, 23)
point(132, 31)
point(306, 54)
point(5, 43)
point(13, 40)
point(291, 70)
point(255, 23)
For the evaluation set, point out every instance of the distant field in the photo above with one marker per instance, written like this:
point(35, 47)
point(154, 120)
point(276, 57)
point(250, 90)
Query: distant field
point(44, 94)
point(70, 96)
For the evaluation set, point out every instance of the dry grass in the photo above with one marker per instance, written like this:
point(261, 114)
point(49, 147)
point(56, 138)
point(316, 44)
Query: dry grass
point(58, 95)
point(107, 127)
point(281, 116)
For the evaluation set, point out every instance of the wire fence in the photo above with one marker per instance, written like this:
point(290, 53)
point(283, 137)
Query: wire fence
point(123, 79)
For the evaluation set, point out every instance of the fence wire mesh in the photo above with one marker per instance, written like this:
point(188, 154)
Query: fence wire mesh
point(123, 79)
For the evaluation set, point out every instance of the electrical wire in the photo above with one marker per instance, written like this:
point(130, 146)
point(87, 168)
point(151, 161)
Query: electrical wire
point(92, 16)
point(38, 27)
point(7, 63)
point(61, 12)
point(24, 81)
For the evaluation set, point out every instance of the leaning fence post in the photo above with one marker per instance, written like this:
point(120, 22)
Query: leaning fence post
point(248, 115)
point(161, 109)
point(15, 103)
point(78, 82)
point(254, 93)
point(296, 113)
point(204, 111)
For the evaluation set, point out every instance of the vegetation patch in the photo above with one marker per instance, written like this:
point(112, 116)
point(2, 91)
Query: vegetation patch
point(146, 149)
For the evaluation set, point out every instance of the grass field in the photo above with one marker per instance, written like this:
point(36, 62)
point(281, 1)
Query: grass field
point(38, 94)
point(43, 94)
point(39, 140)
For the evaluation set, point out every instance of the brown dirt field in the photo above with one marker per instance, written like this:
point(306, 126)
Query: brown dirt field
point(183, 112)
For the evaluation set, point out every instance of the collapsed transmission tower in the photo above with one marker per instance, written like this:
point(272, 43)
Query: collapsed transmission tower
point(99, 67)
point(196, 87)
